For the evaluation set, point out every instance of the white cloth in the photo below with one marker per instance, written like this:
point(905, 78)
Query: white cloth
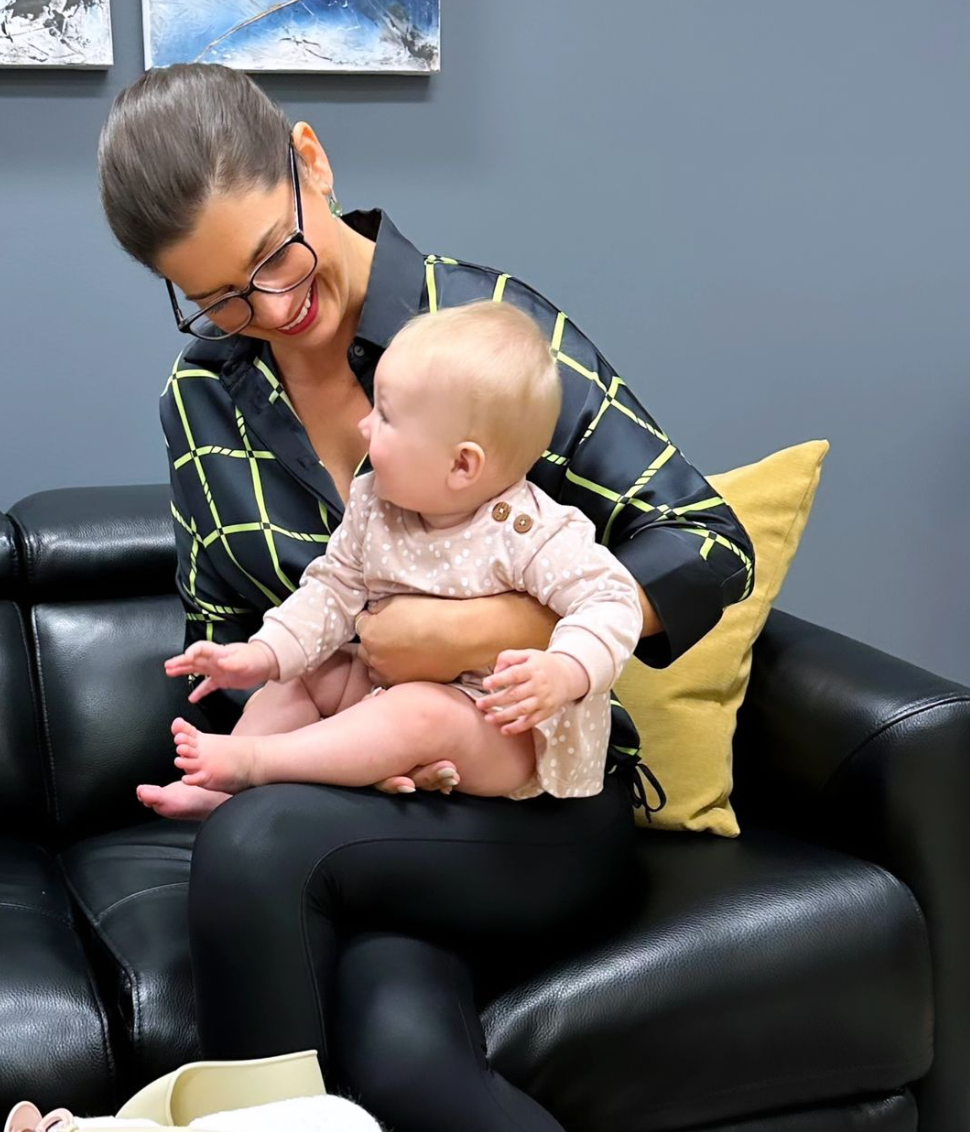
point(304, 1114)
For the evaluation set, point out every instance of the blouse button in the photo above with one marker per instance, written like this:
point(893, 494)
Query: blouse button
point(523, 523)
point(500, 512)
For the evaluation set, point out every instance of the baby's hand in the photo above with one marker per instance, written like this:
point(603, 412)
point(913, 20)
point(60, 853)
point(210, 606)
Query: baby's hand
point(529, 685)
point(224, 666)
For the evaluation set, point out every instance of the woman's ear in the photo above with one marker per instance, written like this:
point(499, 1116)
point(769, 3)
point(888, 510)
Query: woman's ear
point(468, 465)
point(314, 157)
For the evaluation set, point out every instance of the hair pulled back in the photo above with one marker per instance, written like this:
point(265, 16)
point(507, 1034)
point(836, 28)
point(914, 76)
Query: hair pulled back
point(174, 137)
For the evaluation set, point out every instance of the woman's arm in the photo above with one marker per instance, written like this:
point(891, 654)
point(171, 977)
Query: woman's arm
point(431, 638)
point(658, 515)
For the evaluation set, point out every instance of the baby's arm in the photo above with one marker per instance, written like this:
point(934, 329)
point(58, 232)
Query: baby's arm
point(305, 630)
point(319, 617)
point(601, 620)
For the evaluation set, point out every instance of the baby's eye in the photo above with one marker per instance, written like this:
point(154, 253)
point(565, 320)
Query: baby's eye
point(381, 415)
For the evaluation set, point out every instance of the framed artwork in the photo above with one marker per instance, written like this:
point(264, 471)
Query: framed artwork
point(363, 36)
point(55, 33)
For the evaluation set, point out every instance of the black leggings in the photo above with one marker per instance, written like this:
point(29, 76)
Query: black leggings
point(350, 921)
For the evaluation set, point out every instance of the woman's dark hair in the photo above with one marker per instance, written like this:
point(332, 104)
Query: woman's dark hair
point(172, 138)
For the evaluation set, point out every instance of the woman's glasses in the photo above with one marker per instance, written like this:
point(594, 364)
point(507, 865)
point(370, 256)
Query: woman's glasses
point(293, 262)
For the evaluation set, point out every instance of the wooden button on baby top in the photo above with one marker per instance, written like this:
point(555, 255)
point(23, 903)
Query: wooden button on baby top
point(523, 523)
point(500, 512)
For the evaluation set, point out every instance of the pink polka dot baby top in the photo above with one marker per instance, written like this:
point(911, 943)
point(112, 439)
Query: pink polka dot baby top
point(523, 541)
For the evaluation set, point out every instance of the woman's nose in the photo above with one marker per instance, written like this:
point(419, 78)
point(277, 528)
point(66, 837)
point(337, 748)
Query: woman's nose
point(273, 311)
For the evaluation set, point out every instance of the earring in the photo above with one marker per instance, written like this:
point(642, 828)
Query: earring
point(335, 207)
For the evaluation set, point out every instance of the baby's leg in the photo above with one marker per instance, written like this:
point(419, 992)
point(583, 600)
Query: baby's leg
point(354, 687)
point(369, 741)
point(274, 708)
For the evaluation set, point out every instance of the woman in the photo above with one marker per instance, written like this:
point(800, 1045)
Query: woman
point(322, 915)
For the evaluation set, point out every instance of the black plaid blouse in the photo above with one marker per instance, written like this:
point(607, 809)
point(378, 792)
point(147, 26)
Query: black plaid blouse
point(253, 504)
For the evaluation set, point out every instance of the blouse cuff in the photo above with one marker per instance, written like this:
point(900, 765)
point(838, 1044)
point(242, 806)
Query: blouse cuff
point(290, 657)
point(589, 651)
point(679, 584)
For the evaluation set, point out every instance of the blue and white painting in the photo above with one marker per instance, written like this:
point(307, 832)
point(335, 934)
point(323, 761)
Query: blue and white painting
point(399, 37)
point(55, 33)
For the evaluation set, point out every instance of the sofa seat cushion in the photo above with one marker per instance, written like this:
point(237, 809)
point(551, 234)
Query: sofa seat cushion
point(751, 976)
point(54, 1044)
point(131, 886)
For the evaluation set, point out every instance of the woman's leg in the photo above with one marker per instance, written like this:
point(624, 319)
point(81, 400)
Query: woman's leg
point(278, 870)
point(365, 743)
point(409, 1045)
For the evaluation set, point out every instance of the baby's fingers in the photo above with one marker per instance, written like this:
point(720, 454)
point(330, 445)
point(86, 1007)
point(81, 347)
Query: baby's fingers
point(208, 685)
point(523, 723)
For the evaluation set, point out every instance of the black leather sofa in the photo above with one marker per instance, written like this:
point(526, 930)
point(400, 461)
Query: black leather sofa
point(812, 976)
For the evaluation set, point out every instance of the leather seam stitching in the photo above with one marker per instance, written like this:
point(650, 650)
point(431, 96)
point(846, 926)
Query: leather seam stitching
point(102, 916)
point(49, 745)
point(89, 977)
point(113, 951)
point(57, 916)
point(901, 716)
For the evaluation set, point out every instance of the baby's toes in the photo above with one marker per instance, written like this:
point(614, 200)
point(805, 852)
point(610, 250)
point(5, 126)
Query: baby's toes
point(197, 778)
point(183, 731)
point(399, 784)
point(441, 776)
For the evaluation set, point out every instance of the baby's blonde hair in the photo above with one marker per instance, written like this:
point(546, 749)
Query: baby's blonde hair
point(496, 357)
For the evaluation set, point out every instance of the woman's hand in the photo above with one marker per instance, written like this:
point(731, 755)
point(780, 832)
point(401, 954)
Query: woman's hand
point(528, 686)
point(224, 666)
point(415, 637)
point(410, 637)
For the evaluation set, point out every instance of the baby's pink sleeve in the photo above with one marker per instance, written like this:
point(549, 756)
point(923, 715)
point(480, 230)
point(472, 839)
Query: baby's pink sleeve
point(595, 597)
point(318, 618)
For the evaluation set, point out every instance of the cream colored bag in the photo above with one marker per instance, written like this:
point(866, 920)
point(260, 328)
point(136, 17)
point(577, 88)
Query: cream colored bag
point(204, 1088)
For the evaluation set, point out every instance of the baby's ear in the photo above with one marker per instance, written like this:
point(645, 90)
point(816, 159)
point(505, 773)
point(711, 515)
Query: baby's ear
point(468, 465)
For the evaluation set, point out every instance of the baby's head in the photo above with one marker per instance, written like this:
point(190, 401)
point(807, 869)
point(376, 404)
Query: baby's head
point(465, 401)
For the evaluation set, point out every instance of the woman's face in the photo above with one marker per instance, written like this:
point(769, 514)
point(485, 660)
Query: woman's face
point(236, 230)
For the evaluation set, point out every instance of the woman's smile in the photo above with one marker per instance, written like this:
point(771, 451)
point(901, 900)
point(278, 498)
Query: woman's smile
point(306, 315)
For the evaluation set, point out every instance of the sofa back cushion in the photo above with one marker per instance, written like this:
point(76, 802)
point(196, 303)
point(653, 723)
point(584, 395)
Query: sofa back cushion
point(8, 557)
point(23, 807)
point(99, 572)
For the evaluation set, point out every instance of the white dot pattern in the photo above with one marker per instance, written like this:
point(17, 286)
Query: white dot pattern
point(375, 553)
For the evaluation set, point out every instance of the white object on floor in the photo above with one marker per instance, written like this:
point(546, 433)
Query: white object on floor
point(110, 1122)
point(304, 1114)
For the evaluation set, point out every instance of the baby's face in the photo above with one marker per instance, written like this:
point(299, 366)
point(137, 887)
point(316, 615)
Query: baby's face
point(411, 433)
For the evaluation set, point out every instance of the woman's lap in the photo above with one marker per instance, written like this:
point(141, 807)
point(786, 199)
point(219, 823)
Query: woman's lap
point(281, 872)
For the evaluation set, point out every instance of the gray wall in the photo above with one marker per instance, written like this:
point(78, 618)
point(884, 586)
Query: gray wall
point(760, 210)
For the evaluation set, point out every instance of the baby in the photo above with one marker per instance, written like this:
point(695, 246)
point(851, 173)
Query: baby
point(465, 402)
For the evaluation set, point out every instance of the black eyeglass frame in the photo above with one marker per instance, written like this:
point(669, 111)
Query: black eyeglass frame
point(297, 237)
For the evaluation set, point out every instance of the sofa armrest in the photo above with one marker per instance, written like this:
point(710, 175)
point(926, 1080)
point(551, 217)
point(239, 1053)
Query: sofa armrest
point(847, 746)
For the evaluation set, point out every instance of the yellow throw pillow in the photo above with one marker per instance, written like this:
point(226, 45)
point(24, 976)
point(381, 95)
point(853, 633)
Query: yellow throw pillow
point(686, 713)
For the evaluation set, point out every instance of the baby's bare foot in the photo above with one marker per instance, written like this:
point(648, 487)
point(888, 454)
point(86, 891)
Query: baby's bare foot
point(176, 800)
point(442, 776)
point(215, 762)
